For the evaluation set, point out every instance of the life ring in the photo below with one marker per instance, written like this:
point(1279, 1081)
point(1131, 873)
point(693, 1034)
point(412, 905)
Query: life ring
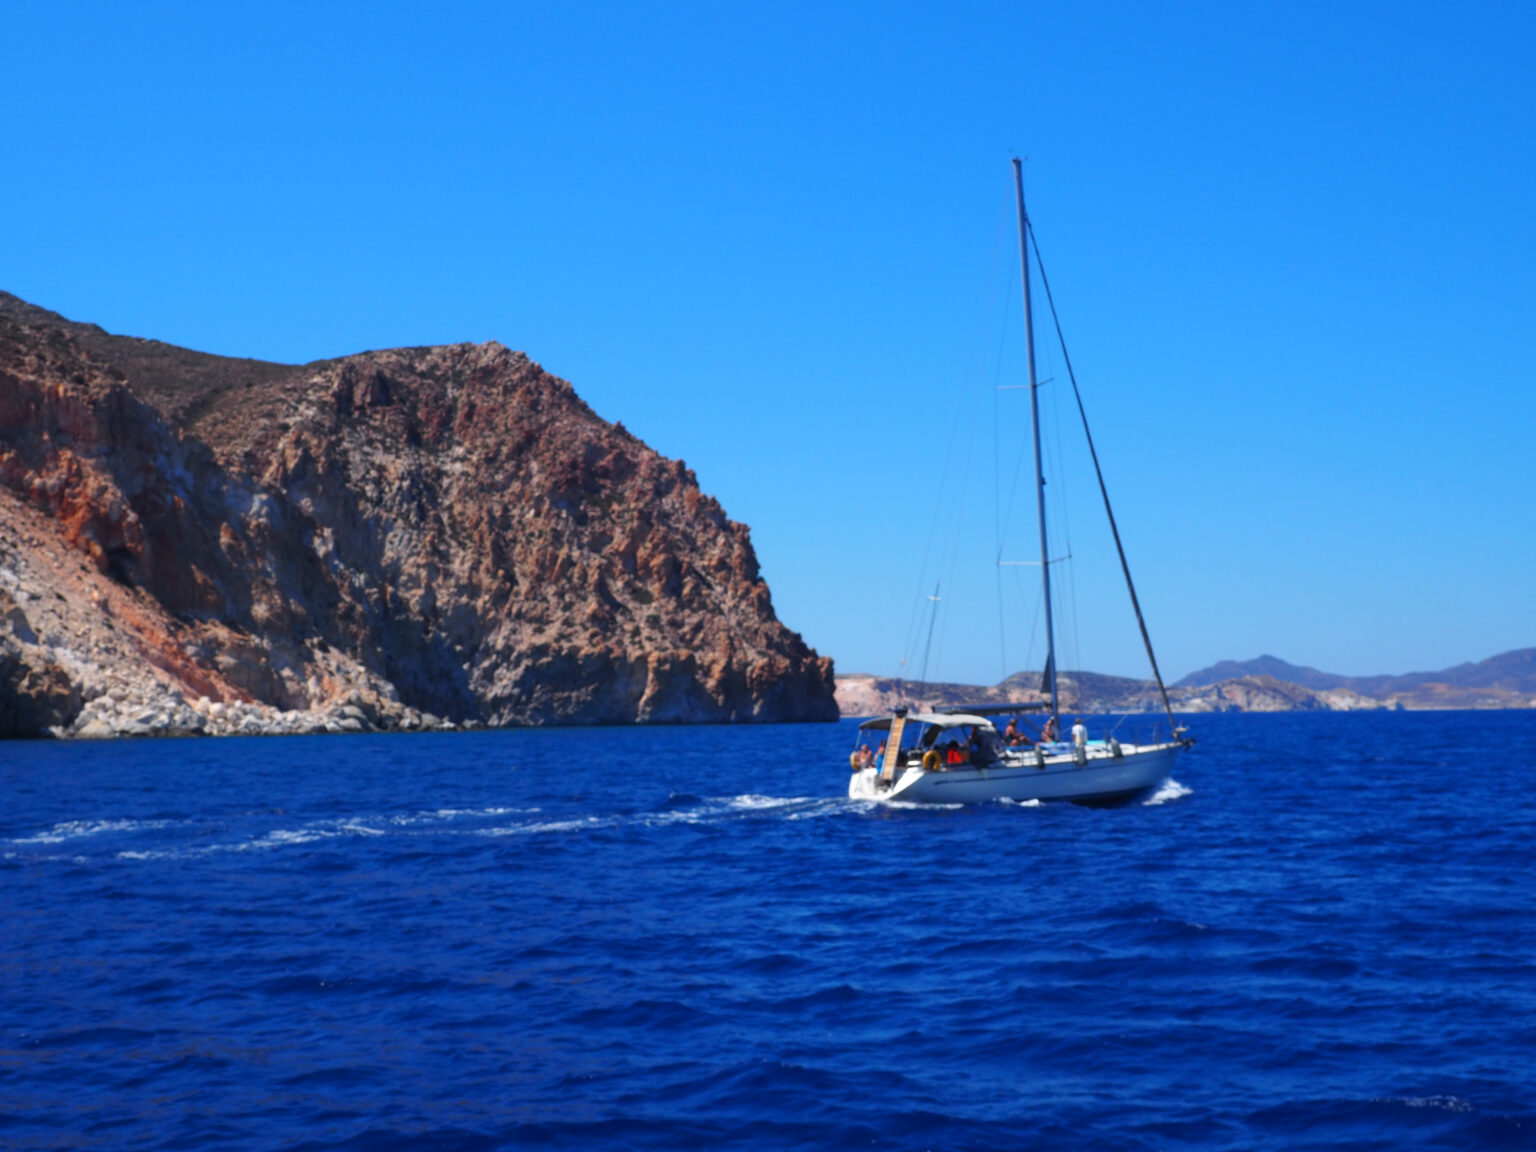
point(930, 761)
point(853, 761)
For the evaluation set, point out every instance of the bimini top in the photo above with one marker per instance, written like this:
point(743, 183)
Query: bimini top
point(941, 720)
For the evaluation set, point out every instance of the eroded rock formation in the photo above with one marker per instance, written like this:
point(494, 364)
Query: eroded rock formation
point(397, 538)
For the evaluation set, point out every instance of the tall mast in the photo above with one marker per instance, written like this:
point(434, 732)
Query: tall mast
point(1034, 423)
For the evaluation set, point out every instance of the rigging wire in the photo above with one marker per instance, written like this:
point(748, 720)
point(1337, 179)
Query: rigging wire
point(955, 550)
point(997, 496)
point(961, 412)
point(1021, 456)
point(968, 456)
point(933, 527)
point(1034, 615)
point(1103, 489)
point(1002, 625)
point(1069, 654)
point(932, 619)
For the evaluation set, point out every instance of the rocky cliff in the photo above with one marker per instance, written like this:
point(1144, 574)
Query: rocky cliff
point(401, 538)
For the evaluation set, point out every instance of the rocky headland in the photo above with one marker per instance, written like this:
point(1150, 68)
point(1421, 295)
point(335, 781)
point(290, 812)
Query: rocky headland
point(414, 538)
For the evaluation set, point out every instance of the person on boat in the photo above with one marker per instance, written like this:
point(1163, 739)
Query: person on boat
point(863, 756)
point(879, 755)
point(1011, 734)
point(1079, 733)
point(953, 754)
point(1050, 732)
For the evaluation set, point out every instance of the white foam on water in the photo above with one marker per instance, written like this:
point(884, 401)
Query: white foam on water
point(752, 804)
point(709, 810)
point(862, 785)
point(1445, 1103)
point(320, 830)
point(283, 837)
point(1170, 789)
point(441, 821)
point(702, 815)
point(753, 801)
point(352, 828)
point(581, 824)
point(833, 806)
point(367, 828)
point(1021, 803)
point(179, 853)
point(861, 788)
point(79, 829)
point(277, 838)
point(447, 815)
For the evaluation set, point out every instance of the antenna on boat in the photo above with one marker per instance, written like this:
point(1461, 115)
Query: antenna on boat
point(933, 615)
point(1034, 423)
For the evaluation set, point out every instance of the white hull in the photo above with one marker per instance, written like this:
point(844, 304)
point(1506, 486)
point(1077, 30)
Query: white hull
point(1103, 779)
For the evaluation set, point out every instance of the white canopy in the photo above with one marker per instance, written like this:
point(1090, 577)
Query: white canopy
point(939, 719)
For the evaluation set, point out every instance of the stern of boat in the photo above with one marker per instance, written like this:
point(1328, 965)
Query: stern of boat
point(865, 785)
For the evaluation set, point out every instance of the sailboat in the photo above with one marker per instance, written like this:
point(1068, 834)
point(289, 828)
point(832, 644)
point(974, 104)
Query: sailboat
point(958, 756)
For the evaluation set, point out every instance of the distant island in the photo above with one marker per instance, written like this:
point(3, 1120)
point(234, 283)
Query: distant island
point(408, 539)
point(1267, 684)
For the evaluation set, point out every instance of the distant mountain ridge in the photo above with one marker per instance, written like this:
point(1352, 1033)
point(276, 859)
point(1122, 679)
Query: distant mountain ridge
point(1267, 684)
point(1263, 666)
point(1513, 671)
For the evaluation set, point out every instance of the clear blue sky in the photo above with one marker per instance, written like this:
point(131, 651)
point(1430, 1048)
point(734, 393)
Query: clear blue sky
point(1292, 245)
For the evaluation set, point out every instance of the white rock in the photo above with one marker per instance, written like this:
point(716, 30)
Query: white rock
point(95, 729)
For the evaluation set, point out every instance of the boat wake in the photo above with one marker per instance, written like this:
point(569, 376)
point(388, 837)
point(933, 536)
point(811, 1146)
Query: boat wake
point(690, 810)
point(1170, 789)
point(80, 841)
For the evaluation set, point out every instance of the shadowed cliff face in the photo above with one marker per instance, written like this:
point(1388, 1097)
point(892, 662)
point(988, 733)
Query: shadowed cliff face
point(440, 530)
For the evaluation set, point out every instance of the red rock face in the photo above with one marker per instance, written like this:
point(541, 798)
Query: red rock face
point(453, 523)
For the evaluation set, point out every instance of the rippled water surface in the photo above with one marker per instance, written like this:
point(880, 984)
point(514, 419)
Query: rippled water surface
point(1321, 935)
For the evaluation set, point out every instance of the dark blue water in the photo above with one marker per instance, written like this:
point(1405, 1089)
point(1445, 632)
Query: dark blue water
point(1324, 936)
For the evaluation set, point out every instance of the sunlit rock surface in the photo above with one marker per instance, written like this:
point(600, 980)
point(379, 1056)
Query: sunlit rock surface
point(403, 539)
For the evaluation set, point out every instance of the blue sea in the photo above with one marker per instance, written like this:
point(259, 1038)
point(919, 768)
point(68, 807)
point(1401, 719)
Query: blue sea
point(1321, 934)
